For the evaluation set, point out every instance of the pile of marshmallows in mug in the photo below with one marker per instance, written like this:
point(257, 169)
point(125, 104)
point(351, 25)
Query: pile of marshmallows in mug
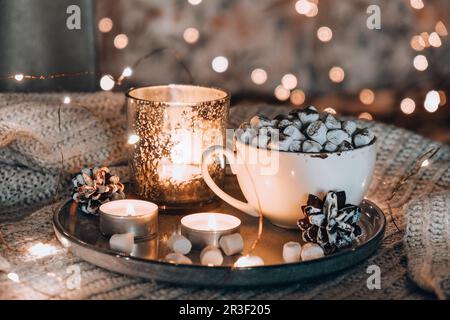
point(304, 130)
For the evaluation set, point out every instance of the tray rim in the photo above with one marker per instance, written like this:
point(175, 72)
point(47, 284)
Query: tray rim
point(59, 228)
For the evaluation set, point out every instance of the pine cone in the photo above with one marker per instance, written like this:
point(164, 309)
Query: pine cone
point(330, 223)
point(93, 187)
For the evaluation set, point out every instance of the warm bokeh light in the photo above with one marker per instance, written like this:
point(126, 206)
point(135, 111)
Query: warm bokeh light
point(303, 6)
point(107, 82)
point(416, 4)
point(195, 2)
point(13, 277)
point(40, 250)
point(191, 35)
point(365, 116)
point(297, 97)
point(367, 96)
point(432, 101)
point(313, 11)
point(330, 110)
point(18, 77)
point(435, 40)
point(219, 64)
point(425, 36)
point(67, 100)
point(441, 29)
point(133, 138)
point(420, 62)
point(289, 81)
point(105, 25)
point(442, 97)
point(417, 43)
point(337, 74)
point(407, 106)
point(324, 34)
point(121, 41)
point(281, 93)
point(259, 76)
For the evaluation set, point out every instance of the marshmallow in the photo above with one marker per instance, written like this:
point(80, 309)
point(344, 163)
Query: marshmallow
point(311, 251)
point(317, 131)
point(291, 252)
point(331, 122)
point(330, 147)
point(345, 146)
point(338, 136)
point(122, 242)
point(249, 261)
point(5, 266)
point(179, 244)
point(259, 121)
point(363, 137)
point(284, 123)
point(349, 127)
point(231, 244)
point(211, 256)
point(280, 144)
point(295, 146)
point(311, 146)
point(308, 115)
point(293, 132)
point(177, 258)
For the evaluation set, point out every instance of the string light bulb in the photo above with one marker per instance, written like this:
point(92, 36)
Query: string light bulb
point(133, 139)
point(219, 64)
point(289, 81)
point(365, 116)
point(127, 72)
point(303, 6)
point(434, 40)
point(417, 4)
point(19, 77)
point(367, 96)
point(297, 97)
point(330, 110)
point(191, 35)
point(195, 2)
point(324, 34)
point(281, 93)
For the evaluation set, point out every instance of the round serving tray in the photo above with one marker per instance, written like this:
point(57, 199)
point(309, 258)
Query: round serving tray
point(80, 233)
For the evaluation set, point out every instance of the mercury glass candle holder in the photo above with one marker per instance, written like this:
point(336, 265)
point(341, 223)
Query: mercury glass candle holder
point(169, 127)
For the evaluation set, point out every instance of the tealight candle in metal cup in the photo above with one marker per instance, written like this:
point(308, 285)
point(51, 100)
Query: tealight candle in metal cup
point(125, 216)
point(206, 228)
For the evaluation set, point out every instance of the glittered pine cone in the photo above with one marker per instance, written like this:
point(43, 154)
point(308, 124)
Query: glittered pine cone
point(93, 187)
point(330, 222)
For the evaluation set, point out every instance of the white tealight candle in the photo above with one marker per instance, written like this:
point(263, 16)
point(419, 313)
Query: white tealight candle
point(206, 228)
point(129, 216)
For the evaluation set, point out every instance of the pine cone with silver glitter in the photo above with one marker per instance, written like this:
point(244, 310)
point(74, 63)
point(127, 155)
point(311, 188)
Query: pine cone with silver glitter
point(330, 222)
point(93, 187)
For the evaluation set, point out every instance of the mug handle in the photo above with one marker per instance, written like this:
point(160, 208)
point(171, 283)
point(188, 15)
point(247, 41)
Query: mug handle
point(232, 158)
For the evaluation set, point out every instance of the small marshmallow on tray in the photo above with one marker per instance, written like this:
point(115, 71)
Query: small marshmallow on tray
point(211, 256)
point(304, 130)
point(122, 242)
point(177, 258)
point(179, 244)
point(232, 244)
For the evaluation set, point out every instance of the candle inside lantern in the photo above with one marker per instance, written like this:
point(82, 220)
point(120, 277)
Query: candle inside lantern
point(204, 229)
point(175, 124)
point(129, 216)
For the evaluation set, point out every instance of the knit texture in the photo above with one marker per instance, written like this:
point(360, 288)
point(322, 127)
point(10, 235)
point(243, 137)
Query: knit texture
point(98, 139)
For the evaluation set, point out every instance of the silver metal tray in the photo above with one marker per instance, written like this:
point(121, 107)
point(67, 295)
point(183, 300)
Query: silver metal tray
point(81, 234)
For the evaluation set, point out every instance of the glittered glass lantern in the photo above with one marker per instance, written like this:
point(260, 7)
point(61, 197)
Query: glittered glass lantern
point(169, 127)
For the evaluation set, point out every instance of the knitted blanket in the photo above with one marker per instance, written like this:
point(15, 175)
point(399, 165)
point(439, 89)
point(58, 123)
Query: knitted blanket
point(43, 141)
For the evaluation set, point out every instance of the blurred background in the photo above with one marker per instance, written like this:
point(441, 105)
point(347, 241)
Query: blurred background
point(296, 52)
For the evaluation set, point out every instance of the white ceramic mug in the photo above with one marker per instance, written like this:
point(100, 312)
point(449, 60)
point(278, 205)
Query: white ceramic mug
point(281, 181)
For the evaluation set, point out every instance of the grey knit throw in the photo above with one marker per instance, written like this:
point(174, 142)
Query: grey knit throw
point(91, 132)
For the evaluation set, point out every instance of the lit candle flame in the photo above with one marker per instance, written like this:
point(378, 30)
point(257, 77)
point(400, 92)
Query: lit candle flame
point(130, 210)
